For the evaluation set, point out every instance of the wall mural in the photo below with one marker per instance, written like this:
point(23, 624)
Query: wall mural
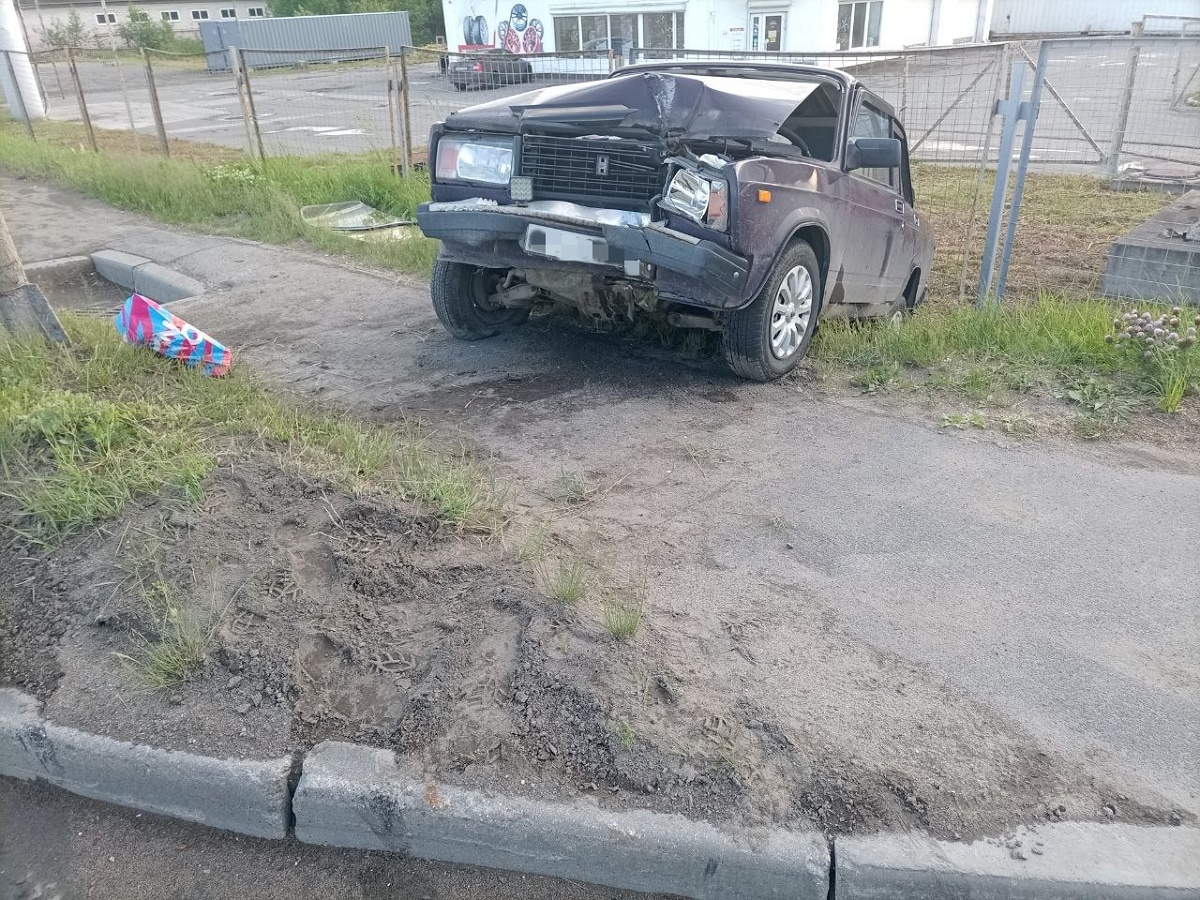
point(516, 34)
point(520, 34)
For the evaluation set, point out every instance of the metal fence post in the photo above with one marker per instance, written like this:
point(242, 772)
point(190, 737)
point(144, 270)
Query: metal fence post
point(242, 82)
point(405, 111)
point(1002, 68)
point(1014, 210)
point(1118, 138)
point(18, 98)
point(83, 110)
point(1010, 109)
point(155, 109)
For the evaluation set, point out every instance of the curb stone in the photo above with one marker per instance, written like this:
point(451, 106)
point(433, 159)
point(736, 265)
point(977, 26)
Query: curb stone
point(1061, 861)
point(246, 796)
point(144, 276)
point(352, 796)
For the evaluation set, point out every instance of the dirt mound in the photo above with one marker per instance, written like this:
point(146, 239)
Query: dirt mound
point(331, 617)
point(325, 616)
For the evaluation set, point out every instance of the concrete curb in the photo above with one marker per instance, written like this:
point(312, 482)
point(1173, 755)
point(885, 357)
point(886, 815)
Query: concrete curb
point(248, 796)
point(1062, 861)
point(144, 276)
point(352, 796)
point(360, 797)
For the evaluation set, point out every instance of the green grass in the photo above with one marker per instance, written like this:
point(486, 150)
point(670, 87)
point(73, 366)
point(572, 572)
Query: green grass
point(172, 646)
point(622, 605)
point(567, 583)
point(86, 428)
point(216, 190)
point(1053, 343)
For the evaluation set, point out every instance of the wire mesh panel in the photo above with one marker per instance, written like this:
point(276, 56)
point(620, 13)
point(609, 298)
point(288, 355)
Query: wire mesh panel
point(200, 112)
point(313, 102)
point(1113, 144)
point(439, 83)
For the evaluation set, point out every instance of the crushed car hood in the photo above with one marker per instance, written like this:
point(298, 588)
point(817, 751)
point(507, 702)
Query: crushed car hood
point(661, 103)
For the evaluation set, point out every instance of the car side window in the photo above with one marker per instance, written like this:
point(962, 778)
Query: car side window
point(872, 123)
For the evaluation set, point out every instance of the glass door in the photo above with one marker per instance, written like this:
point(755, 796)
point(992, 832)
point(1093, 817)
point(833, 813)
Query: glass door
point(766, 31)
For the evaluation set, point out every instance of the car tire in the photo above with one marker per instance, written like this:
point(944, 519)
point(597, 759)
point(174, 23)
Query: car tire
point(459, 293)
point(459, 86)
point(765, 340)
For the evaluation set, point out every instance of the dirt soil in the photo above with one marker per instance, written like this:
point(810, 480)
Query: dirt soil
point(854, 616)
point(364, 620)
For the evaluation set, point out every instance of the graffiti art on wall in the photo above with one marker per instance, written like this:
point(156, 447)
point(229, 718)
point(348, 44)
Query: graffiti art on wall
point(476, 31)
point(520, 34)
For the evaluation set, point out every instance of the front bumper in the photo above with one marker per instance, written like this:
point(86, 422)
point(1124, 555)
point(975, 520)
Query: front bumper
point(482, 232)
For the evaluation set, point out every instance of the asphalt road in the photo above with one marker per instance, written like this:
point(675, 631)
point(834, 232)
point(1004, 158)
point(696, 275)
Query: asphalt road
point(946, 100)
point(56, 846)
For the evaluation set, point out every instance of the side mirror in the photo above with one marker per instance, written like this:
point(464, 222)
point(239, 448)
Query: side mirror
point(873, 153)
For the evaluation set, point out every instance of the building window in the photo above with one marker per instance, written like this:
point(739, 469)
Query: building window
point(111, 20)
point(229, 14)
point(258, 12)
point(619, 32)
point(199, 14)
point(858, 23)
point(170, 15)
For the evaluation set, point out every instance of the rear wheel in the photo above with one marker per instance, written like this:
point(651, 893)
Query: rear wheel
point(460, 298)
point(766, 339)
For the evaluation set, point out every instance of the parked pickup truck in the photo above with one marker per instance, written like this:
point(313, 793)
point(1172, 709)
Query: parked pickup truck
point(742, 197)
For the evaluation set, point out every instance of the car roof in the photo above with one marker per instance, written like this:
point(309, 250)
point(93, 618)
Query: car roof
point(723, 68)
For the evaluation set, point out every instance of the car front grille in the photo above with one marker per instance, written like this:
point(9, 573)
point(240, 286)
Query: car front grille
point(623, 172)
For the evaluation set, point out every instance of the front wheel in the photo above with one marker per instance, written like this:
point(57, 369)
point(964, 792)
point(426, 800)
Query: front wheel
point(460, 298)
point(765, 340)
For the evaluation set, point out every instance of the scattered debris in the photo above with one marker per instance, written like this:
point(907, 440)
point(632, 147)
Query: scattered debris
point(356, 220)
point(142, 321)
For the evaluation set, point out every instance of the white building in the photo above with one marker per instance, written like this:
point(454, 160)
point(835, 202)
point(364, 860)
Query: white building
point(788, 26)
point(185, 16)
point(1017, 18)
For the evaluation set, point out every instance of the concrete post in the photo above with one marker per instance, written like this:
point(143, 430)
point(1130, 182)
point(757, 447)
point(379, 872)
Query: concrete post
point(17, 77)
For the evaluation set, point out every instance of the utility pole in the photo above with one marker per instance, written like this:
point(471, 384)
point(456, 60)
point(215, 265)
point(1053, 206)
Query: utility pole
point(24, 311)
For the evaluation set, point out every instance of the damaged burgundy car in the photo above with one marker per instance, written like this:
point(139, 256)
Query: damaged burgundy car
point(744, 198)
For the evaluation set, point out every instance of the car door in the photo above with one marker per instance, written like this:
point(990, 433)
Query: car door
point(879, 213)
point(901, 263)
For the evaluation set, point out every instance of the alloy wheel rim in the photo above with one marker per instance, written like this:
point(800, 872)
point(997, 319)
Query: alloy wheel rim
point(791, 312)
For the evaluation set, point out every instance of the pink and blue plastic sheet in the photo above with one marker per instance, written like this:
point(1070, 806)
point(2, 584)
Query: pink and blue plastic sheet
point(143, 322)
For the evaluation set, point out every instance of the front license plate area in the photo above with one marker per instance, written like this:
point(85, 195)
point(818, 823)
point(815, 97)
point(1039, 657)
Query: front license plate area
point(570, 246)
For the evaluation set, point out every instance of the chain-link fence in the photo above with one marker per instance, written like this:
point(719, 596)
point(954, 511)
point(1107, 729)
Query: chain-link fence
point(305, 103)
point(1118, 126)
point(1115, 140)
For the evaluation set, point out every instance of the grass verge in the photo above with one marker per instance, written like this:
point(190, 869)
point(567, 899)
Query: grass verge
point(86, 428)
point(1052, 344)
point(216, 190)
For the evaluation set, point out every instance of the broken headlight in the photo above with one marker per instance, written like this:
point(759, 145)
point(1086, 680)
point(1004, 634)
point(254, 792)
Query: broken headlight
point(475, 160)
point(703, 200)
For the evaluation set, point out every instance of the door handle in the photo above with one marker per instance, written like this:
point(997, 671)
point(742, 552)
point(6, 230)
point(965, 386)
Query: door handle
point(899, 205)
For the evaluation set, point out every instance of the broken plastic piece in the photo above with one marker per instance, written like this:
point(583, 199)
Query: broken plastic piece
point(143, 322)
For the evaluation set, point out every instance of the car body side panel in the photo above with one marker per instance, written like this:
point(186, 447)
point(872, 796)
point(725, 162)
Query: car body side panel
point(802, 194)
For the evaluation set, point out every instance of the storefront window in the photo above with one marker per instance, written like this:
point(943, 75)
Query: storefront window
point(566, 32)
point(859, 23)
point(618, 32)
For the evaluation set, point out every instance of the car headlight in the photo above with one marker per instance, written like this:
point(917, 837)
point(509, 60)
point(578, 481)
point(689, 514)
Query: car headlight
point(701, 199)
point(475, 160)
